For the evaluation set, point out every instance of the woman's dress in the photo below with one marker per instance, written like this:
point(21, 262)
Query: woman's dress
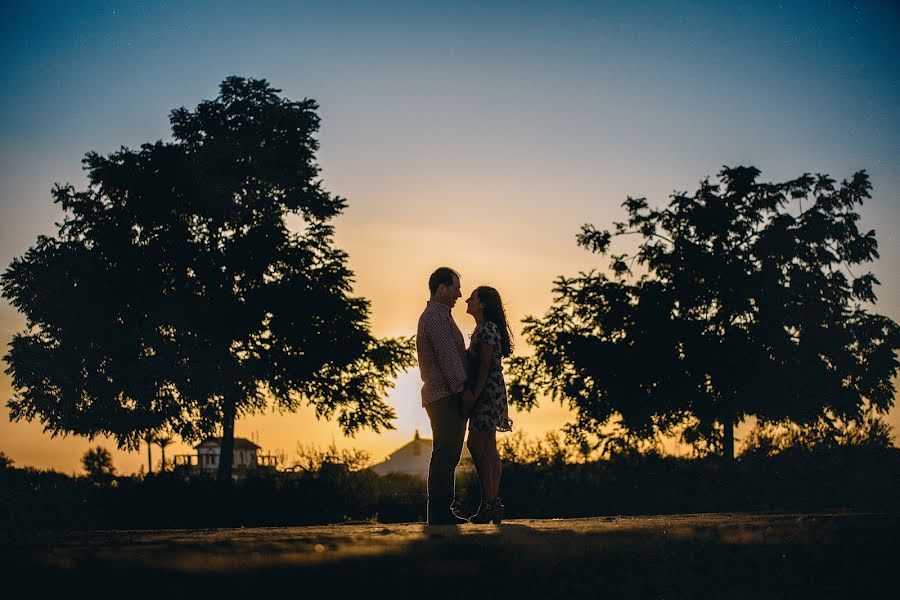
point(491, 411)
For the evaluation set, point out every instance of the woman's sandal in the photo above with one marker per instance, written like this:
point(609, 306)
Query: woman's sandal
point(498, 512)
point(489, 512)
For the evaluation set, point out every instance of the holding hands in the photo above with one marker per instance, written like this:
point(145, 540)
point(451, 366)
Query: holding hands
point(468, 402)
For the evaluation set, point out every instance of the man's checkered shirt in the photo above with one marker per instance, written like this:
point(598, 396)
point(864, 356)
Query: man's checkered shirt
point(442, 353)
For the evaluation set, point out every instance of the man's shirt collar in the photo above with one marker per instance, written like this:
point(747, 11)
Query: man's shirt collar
point(434, 304)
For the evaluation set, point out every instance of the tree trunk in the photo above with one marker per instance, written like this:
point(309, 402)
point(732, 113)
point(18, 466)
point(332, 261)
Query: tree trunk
point(149, 456)
point(226, 454)
point(728, 442)
point(727, 419)
point(163, 450)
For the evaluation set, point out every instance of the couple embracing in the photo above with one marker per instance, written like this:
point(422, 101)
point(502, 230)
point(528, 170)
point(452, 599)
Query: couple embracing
point(463, 385)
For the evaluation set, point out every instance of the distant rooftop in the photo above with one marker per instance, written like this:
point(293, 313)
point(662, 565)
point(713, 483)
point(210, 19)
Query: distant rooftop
point(239, 444)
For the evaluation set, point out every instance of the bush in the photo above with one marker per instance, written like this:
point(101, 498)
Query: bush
point(770, 438)
point(796, 479)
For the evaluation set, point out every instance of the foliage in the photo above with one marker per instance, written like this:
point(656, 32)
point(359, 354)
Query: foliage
point(844, 478)
point(622, 444)
point(5, 461)
point(311, 459)
point(98, 464)
point(175, 295)
point(745, 304)
point(552, 449)
point(772, 438)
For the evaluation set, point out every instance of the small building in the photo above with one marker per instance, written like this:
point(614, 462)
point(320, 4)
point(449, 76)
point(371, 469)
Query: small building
point(246, 456)
point(413, 458)
point(209, 450)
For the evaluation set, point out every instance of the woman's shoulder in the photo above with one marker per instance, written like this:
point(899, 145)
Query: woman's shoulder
point(489, 331)
point(486, 328)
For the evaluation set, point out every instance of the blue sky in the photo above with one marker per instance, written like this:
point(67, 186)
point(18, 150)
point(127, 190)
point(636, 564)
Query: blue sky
point(479, 134)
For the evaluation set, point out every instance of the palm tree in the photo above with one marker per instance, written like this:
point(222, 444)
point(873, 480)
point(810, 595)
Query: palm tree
point(150, 438)
point(162, 442)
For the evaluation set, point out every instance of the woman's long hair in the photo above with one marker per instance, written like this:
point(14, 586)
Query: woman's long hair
point(493, 311)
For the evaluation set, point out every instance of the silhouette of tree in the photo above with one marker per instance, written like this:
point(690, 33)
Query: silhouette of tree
point(770, 438)
point(162, 441)
point(175, 295)
point(549, 450)
point(98, 465)
point(746, 304)
point(5, 461)
point(311, 459)
point(149, 439)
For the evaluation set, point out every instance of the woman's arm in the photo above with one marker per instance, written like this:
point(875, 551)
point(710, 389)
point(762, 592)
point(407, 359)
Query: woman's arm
point(486, 354)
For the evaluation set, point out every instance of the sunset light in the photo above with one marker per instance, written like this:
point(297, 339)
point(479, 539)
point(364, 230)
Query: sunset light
point(579, 299)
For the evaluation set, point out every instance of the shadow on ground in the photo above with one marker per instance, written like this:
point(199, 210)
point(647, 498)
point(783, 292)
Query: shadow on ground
point(681, 556)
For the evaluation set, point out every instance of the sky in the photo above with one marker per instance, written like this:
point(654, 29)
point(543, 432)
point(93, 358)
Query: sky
point(478, 135)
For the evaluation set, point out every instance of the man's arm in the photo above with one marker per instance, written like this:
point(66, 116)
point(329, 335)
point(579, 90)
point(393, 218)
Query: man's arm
point(447, 355)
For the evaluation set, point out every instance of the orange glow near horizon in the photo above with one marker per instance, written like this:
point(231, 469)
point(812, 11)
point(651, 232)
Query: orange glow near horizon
point(392, 270)
point(476, 137)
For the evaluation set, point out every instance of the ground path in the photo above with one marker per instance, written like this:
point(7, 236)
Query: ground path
point(671, 556)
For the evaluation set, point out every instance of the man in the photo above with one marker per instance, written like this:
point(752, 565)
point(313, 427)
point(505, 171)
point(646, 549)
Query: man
point(442, 363)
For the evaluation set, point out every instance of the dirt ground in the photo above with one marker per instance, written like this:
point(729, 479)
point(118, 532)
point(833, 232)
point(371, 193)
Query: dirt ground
point(672, 556)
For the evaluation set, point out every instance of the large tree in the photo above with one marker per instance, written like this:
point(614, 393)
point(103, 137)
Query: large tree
point(195, 281)
point(742, 299)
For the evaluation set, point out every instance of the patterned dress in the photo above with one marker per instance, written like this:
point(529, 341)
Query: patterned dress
point(491, 411)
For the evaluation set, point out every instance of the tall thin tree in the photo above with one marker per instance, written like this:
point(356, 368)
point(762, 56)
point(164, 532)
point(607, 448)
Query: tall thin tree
point(149, 439)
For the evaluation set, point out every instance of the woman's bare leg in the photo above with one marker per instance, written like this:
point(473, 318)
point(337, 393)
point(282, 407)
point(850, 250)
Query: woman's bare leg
point(477, 444)
point(493, 458)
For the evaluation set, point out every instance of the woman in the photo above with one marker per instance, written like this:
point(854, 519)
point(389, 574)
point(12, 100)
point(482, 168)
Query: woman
point(490, 343)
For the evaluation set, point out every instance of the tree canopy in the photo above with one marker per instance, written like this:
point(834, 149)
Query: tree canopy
point(175, 295)
point(741, 299)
